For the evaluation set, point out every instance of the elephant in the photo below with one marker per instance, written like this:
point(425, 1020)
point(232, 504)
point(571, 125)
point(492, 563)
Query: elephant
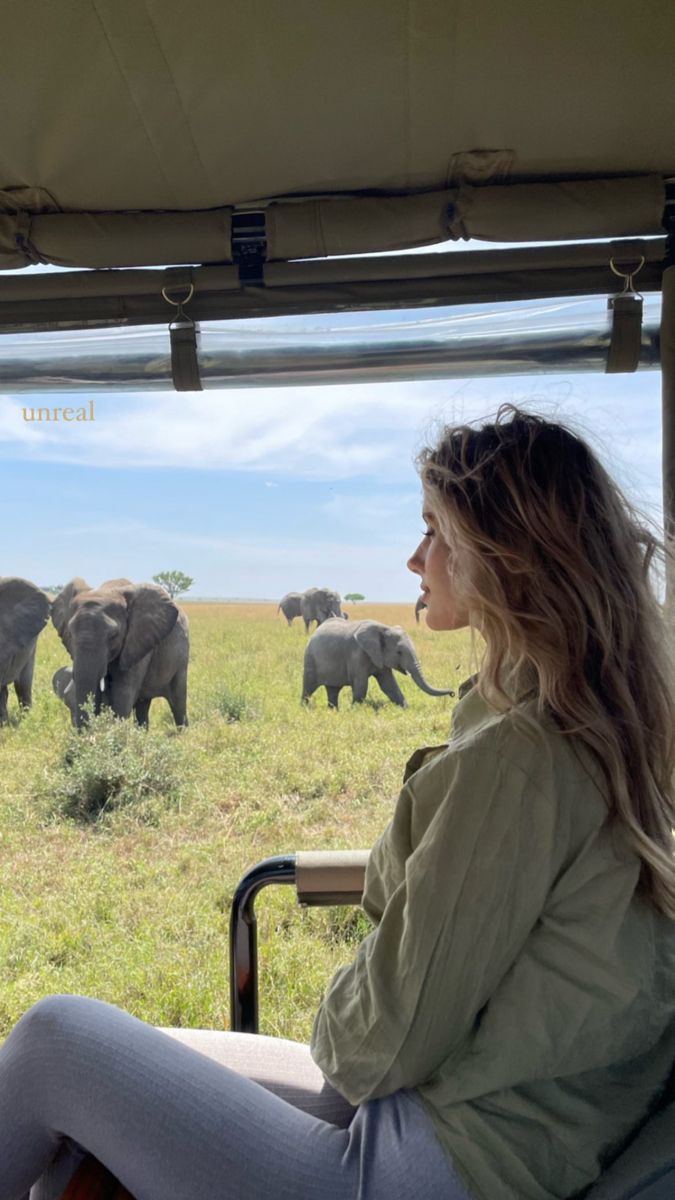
point(420, 603)
point(129, 644)
point(290, 606)
point(24, 612)
point(338, 655)
point(319, 604)
point(64, 688)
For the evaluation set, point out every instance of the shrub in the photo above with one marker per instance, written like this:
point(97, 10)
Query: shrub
point(114, 764)
point(234, 705)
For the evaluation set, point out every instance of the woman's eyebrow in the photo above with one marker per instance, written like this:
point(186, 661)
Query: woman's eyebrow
point(428, 516)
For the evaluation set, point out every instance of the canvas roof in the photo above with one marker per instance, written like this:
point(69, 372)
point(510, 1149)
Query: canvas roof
point(167, 116)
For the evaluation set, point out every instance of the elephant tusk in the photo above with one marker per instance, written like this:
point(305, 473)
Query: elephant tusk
point(102, 683)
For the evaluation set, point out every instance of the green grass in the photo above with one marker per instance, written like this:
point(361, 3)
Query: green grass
point(120, 850)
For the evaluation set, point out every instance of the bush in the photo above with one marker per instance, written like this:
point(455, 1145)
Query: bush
point(234, 705)
point(113, 764)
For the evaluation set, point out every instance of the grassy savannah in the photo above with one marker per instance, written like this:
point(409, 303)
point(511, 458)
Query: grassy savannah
point(120, 850)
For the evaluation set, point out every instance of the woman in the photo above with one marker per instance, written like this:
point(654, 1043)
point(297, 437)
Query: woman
point(511, 1017)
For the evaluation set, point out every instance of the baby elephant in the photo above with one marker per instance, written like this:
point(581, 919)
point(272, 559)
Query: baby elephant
point(63, 685)
point(340, 655)
point(64, 688)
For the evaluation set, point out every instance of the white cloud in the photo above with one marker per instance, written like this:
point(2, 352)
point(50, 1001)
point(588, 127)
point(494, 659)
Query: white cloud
point(309, 432)
point(338, 432)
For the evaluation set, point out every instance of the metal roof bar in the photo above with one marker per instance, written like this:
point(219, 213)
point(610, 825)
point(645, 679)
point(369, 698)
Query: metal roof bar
point(91, 299)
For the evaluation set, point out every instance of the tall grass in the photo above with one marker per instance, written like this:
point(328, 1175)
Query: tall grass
point(120, 850)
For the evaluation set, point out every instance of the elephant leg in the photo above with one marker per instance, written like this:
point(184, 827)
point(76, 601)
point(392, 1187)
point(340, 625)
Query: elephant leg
point(141, 711)
point(333, 694)
point(122, 690)
point(121, 704)
point(309, 682)
point(23, 684)
point(3, 704)
point(177, 698)
point(359, 688)
point(389, 686)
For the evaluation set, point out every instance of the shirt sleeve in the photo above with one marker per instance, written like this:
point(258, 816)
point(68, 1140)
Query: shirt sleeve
point(468, 887)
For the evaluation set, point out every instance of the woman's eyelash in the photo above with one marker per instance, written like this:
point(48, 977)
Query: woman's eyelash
point(428, 532)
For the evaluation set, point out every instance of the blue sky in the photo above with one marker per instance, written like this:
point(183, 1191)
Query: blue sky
point(255, 492)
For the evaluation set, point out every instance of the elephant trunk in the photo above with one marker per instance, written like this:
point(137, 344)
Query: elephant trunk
point(415, 673)
point(89, 668)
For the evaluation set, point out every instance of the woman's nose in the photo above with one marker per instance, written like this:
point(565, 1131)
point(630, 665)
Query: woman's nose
point(415, 562)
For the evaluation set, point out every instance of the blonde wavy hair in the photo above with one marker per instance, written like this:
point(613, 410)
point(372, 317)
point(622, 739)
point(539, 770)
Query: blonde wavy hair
point(554, 566)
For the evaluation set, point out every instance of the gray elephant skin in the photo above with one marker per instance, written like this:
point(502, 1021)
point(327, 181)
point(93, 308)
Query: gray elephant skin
point(339, 655)
point(320, 604)
point(129, 644)
point(24, 612)
point(64, 688)
point(420, 604)
point(291, 606)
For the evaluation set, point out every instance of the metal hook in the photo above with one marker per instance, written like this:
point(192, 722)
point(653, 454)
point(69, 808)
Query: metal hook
point(626, 332)
point(181, 317)
point(628, 277)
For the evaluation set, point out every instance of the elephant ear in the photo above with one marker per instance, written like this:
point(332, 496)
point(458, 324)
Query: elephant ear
point(62, 609)
point(371, 639)
point(152, 616)
point(24, 612)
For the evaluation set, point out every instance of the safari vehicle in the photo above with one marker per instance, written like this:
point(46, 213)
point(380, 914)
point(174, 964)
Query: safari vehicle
point(192, 167)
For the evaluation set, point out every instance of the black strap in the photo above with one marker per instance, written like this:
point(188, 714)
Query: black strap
point(626, 341)
point(184, 335)
point(183, 331)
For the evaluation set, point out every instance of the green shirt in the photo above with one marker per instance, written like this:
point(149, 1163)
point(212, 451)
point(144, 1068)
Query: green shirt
point(513, 976)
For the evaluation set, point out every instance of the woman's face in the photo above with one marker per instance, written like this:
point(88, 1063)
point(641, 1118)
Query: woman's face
point(432, 561)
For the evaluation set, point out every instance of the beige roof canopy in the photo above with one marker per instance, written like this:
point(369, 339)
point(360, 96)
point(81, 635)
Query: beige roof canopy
point(138, 129)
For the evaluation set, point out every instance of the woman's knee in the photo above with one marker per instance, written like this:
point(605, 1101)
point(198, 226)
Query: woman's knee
point(50, 1016)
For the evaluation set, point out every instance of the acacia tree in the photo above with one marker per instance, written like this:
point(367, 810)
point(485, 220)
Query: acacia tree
point(354, 596)
point(175, 582)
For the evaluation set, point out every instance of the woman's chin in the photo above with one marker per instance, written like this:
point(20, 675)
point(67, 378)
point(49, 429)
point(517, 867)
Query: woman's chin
point(444, 621)
point(429, 618)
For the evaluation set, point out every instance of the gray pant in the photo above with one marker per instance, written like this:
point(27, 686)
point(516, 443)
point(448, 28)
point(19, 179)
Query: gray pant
point(172, 1123)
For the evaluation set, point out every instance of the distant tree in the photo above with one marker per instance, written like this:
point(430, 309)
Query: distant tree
point(175, 582)
point(354, 596)
point(54, 588)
